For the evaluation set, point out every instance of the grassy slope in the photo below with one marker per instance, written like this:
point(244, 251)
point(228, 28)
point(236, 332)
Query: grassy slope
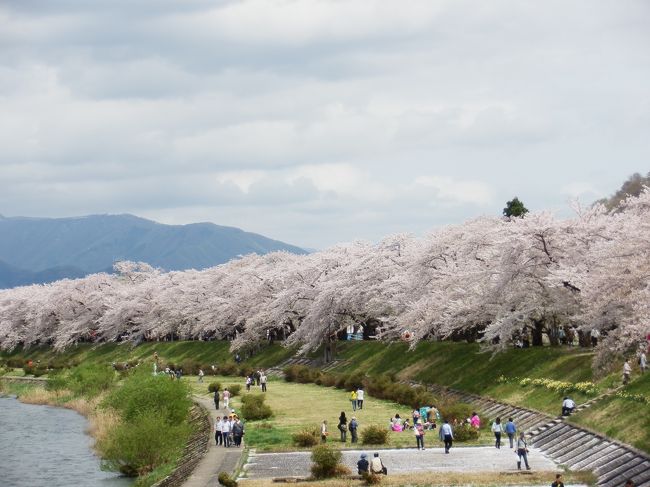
point(620, 418)
point(205, 352)
point(463, 366)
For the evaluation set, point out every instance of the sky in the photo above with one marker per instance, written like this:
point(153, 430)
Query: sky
point(314, 121)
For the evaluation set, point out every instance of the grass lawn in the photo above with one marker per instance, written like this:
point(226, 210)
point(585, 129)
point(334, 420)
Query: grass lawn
point(623, 419)
point(301, 406)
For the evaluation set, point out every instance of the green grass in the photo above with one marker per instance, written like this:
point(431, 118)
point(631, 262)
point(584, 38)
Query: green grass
point(619, 418)
point(463, 366)
point(215, 352)
point(300, 406)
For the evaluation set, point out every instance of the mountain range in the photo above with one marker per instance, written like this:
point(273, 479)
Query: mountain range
point(40, 250)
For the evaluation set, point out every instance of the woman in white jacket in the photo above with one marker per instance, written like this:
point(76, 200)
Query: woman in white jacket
point(497, 429)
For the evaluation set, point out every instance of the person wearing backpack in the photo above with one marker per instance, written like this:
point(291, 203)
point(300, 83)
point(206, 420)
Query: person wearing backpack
point(343, 427)
point(353, 427)
point(377, 466)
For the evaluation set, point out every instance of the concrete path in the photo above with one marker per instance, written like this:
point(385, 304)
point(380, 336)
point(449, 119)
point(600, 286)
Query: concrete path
point(217, 459)
point(462, 459)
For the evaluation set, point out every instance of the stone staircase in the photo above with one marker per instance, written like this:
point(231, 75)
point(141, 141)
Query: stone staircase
point(278, 370)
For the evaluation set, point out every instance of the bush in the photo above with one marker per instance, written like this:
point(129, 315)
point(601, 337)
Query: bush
point(456, 411)
point(374, 435)
point(234, 389)
point(228, 368)
point(353, 381)
point(371, 478)
point(190, 366)
point(465, 432)
point(253, 407)
point(57, 382)
point(214, 386)
point(141, 391)
point(90, 380)
point(306, 438)
point(137, 447)
point(225, 480)
point(327, 463)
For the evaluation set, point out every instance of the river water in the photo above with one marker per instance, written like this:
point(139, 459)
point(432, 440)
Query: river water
point(43, 446)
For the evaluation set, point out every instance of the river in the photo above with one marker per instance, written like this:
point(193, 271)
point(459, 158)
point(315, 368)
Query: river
point(44, 446)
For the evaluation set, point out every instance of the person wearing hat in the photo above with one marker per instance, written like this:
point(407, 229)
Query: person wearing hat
point(353, 427)
point(362, 464)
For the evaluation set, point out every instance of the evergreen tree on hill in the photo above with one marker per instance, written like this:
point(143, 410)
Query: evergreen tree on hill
point(632, 187)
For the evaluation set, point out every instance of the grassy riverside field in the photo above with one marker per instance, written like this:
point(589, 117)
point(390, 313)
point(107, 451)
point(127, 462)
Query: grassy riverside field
point(297, 407)
point(459, 365)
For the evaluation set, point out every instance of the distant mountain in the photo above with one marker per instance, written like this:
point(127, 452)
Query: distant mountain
point(47, 249)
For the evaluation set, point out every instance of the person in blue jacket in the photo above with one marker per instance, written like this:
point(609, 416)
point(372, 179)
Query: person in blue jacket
point(511, 430)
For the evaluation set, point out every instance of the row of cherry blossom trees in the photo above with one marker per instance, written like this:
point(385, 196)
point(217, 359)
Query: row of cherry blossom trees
point(490, 279)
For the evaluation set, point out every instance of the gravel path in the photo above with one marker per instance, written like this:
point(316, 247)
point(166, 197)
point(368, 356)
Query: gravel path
point(463, 459)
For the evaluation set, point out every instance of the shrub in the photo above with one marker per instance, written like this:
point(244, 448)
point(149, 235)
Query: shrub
point(141, 391)
point(327, 463)
point(371, 478)
point(225, 480)
point(253, 407)
point(214, 386)
point(190, 366)
point(457, 411)
point(234, 389)
point(57, 382)
point(90, 380)
point(374, 435)
point(228, 368)
point(137, 447)
point(328, 380)
point(465, 432)
point(339, 381)
point(353, 381)
point(306, 438)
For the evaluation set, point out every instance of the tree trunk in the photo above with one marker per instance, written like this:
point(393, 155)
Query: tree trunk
point(538, 332)
point(584, 339)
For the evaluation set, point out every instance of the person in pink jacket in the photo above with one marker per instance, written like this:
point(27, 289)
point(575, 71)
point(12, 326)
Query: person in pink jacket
point(475, 421)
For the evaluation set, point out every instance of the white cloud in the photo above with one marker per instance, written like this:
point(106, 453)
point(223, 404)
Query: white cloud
point(451, 191)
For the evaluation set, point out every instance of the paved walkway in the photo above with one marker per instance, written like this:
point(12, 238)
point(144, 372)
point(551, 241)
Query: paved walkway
point(217, 459)
point(462, 459)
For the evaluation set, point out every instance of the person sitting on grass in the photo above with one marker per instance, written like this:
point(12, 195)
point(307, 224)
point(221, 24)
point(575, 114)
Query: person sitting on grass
point(475, 421)
point(396, 423)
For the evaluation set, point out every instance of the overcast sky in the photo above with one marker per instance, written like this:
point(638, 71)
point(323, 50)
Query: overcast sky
point(316, 122)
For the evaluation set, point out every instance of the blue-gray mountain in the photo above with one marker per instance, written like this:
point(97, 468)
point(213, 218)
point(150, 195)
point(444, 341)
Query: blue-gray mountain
point(36, 250)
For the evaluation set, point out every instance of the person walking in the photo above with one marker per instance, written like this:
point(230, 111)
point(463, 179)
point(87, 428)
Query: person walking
point(353, 400)
point(263, 380)
point(237, 431)
point(226, 398)
point(201, 374)
point(497, 429)
point(218, 440)
point(377, 466)
point(353, 427)
point(522, 451)
point(558, 481)
point(360, 398)
point(249, 381)
point(216, 399)
point(225, 430)
point(343, 426)
point(446, 435)
point(627, 370)
point(323, 432)
point(362, 464)
point(418, 430)
point(511, 430)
